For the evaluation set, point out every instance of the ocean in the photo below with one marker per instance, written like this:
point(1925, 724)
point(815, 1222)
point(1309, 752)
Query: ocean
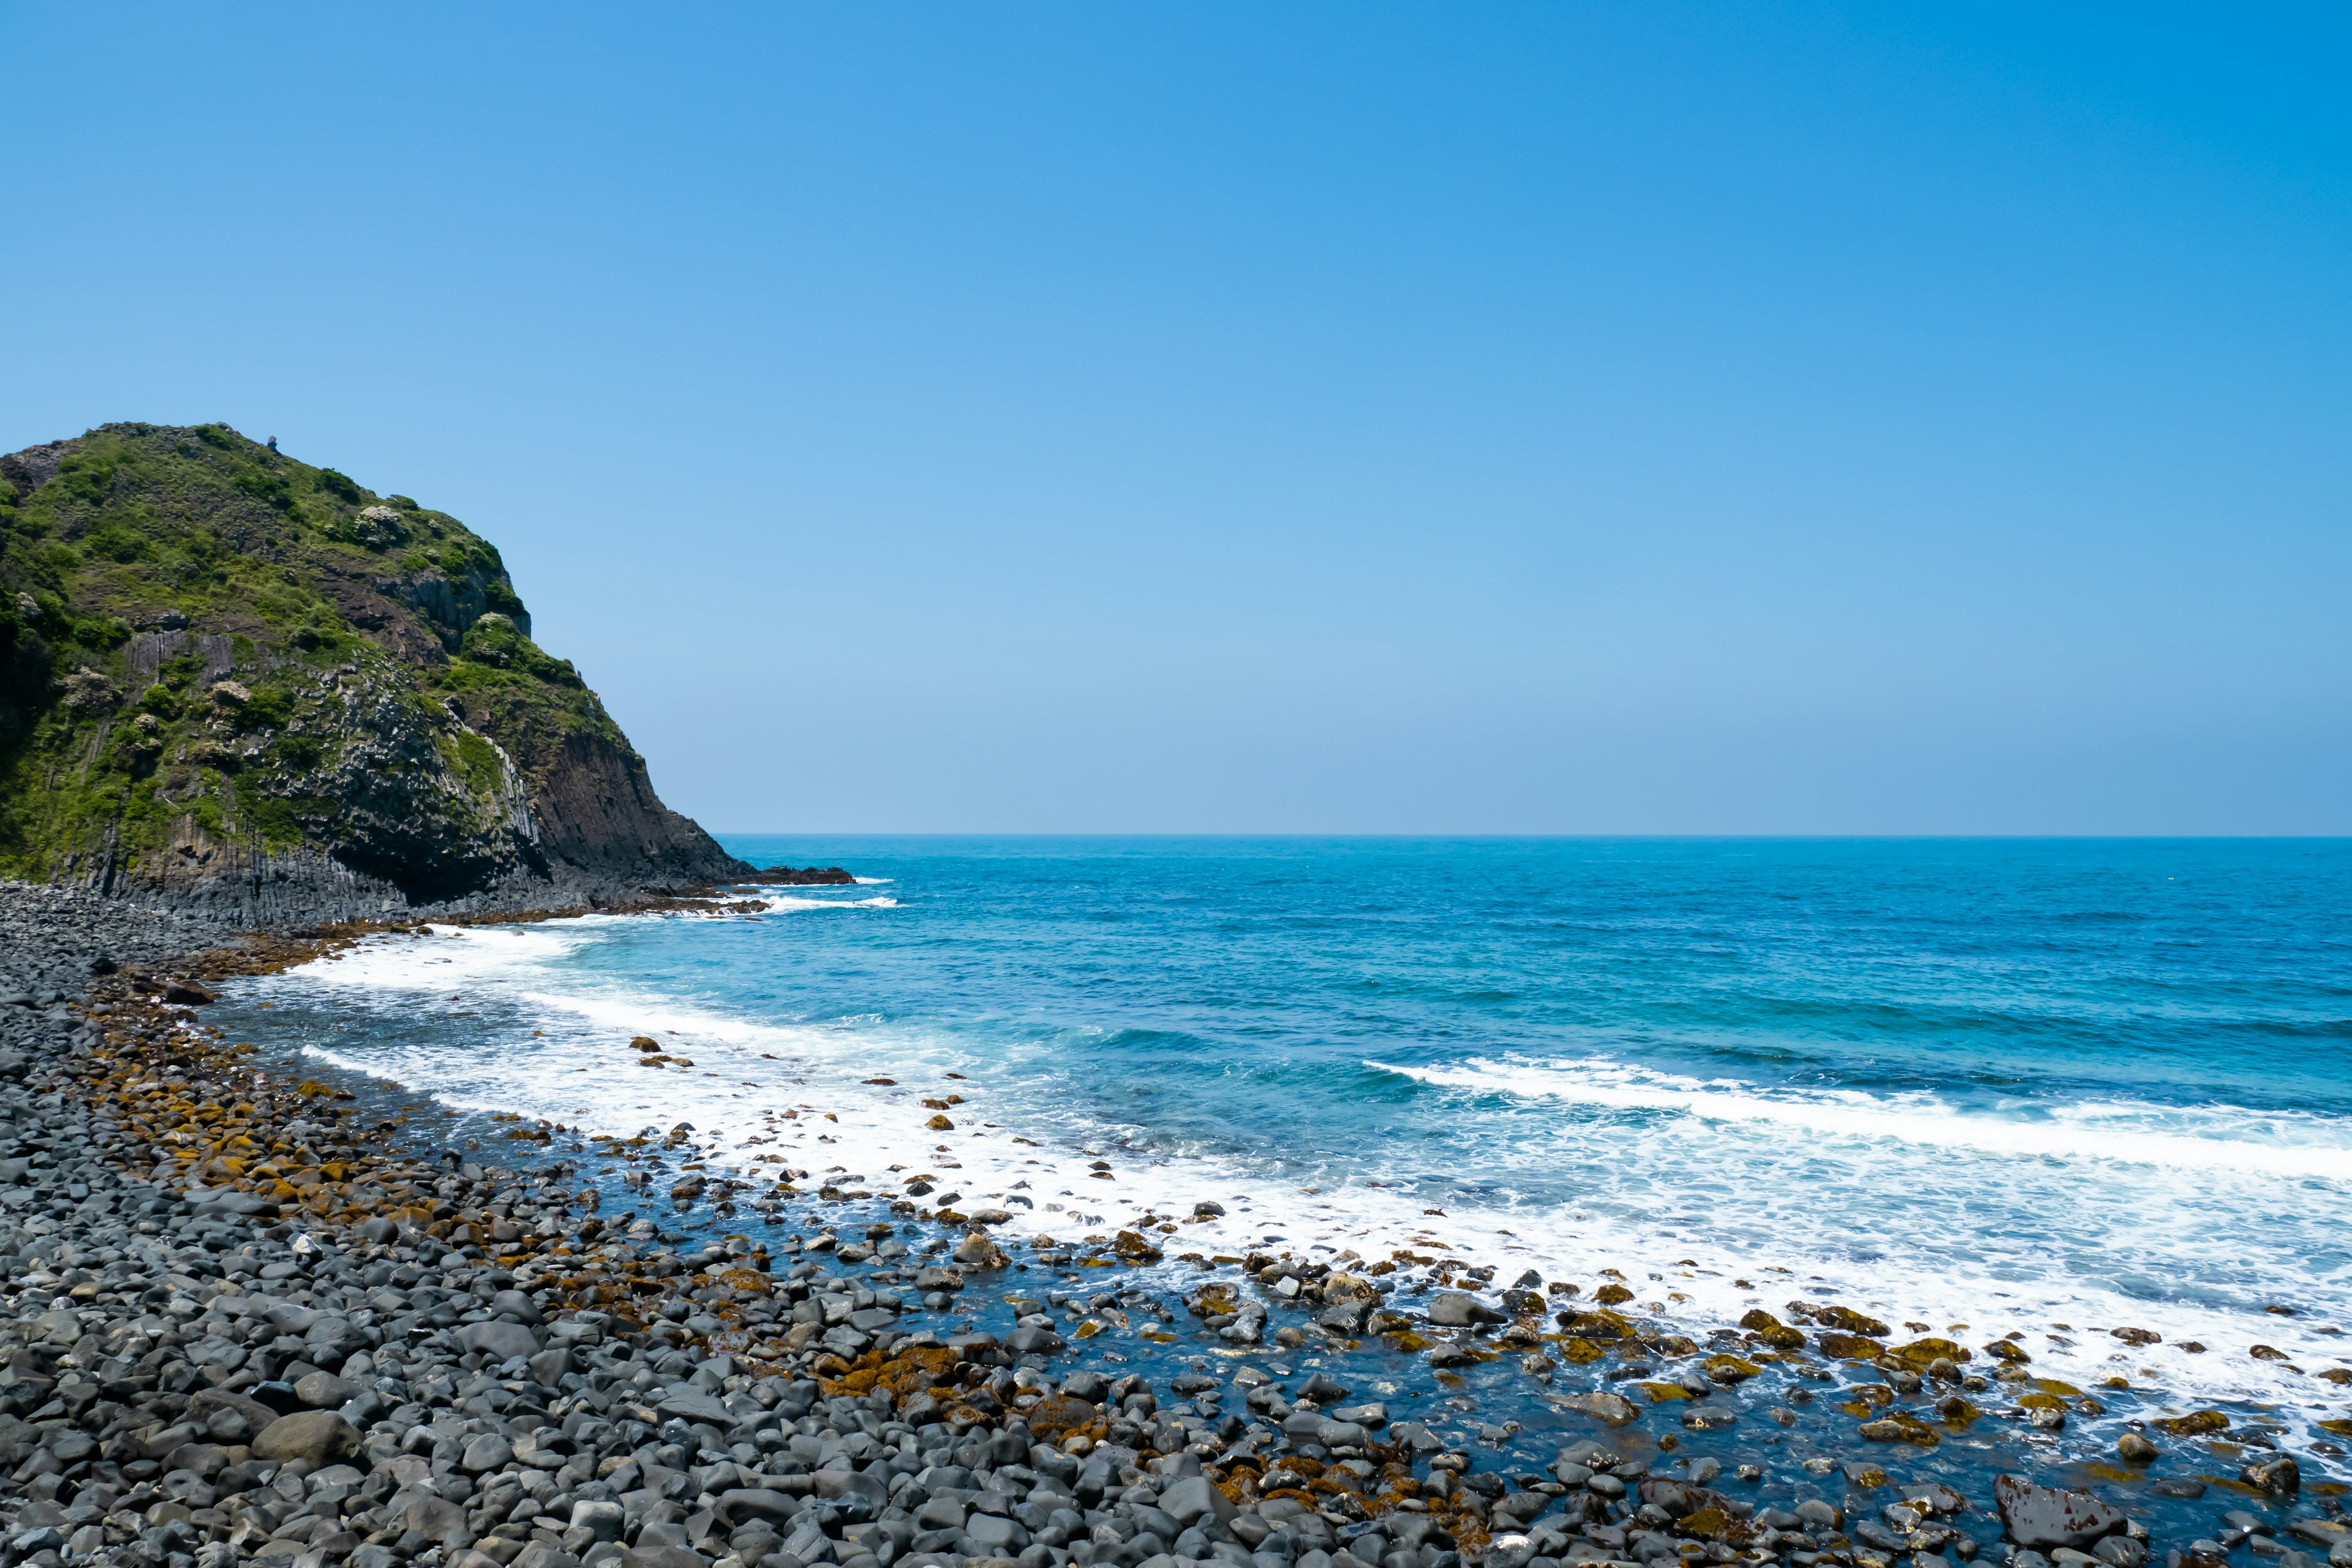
point(1976, 1088)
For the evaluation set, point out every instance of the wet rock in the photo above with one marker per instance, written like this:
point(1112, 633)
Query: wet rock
point(2041, 1517)
point(2280, 1478)
point(1772, 1330)
point(2196, 1424)
point(976, 1251)
point(1453, 1309)
point(1614, 1409)
point(1851, 1347)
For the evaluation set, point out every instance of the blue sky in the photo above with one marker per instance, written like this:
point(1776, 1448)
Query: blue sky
point(1507, 418)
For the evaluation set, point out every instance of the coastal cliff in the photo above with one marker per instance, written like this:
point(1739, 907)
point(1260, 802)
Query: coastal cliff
point(230, 678)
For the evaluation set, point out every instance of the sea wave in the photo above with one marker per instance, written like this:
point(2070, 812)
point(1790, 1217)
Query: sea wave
point(1825, 1185)
point(2234, 1138)
point(788, 901)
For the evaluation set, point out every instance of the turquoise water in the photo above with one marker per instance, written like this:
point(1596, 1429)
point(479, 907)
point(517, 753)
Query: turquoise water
point(2008, 1085)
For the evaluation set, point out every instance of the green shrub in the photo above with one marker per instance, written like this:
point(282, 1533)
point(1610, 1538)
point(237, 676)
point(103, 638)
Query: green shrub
point(265, 485)
point(102, 631)
point(299, 752)
point(160, 701)
point(86, 478)
point(267, 708)
point(481, 761)
point(501, 595)
point(338, 484)
point(115, 543)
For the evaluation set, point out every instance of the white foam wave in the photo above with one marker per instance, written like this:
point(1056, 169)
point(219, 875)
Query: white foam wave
point(1777, 1225)
point(2281, 1144)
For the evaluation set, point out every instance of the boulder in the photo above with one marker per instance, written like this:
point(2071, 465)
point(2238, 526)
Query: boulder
point(334, 1340)
point(522, 1306)
point(976, 1251)
point(485, 1453)
point(651, 1552)
point(2281, 1478)
point(2041, 1519)
point(324, 1391)
point(1679, 1498)
point(434, 1518)
point(320, 1437)
point(1453, 1309)
point(1614, 1409)
point(228, 1201)
point(991, 1536)
point(690, 1403)
point(748, 1503)
point(601, 1516)
point(207, 1402)
point(498, 1342)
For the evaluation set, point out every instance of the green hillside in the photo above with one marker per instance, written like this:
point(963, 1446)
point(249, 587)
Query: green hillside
point(225, 672)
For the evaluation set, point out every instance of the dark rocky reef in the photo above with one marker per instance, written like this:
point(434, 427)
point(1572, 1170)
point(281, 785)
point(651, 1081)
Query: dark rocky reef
point(801, 876)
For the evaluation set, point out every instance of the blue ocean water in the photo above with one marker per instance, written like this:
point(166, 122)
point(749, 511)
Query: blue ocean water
point(2050, 1086)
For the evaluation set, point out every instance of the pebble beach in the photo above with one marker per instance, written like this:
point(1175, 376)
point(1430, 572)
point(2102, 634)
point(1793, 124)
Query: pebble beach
point(257, 1313)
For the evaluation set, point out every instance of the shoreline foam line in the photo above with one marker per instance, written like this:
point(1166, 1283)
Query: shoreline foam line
point(1047, 1161)
point(1922, 1118)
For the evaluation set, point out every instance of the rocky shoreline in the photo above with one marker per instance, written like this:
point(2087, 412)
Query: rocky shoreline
point(246, 1324)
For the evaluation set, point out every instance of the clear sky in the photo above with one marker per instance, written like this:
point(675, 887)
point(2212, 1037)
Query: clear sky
point(1354, 418)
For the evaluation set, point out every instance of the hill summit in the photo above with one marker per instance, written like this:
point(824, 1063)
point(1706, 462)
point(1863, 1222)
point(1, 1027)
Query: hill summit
point(229, 676)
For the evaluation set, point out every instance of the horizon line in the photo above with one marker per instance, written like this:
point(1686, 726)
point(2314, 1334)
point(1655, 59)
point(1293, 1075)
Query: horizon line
point(1561, 837)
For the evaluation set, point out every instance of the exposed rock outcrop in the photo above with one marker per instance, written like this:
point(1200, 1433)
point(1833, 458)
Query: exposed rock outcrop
point(233, 680)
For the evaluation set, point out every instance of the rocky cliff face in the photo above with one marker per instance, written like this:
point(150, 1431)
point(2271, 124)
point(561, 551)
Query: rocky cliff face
point(230, 678)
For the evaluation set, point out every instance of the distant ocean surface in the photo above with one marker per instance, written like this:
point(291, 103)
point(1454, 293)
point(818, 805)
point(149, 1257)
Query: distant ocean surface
point(2011, 1085)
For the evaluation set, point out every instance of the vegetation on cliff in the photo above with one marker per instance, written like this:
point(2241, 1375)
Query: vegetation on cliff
point(219, 665)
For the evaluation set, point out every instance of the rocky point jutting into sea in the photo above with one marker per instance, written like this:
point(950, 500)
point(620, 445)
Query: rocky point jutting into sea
point(261, 723)
point(238, 683)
